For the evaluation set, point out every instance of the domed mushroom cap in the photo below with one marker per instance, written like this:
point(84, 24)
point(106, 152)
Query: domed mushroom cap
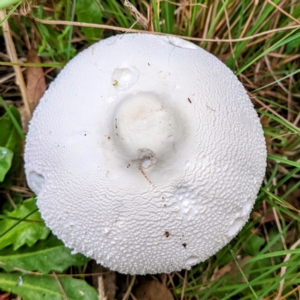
point(146, 154)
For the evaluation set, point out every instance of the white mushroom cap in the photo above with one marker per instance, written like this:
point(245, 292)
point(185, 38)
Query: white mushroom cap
point(146, 154)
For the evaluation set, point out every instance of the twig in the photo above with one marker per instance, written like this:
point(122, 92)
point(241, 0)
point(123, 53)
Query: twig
point(12, 53)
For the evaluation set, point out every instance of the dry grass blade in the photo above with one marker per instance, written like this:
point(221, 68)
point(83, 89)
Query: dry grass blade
point(140, 19)
point(275, 113)
point(122, 29)
point(283, 270)
point(243, 35)
point(101, 289)
point(283, 11)
point(60, 286)
point(184, 285)
point(184, 3)
point(11, 201)
point(128, 292)
point(296, 289)
point(11, 50)
point(7, 77)
point(105, 282)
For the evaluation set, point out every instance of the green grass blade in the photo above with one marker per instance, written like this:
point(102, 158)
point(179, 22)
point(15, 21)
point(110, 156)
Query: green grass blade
point(11, 11)
point(71, 30)
point(283, 160)
point(7, 3)
point(167, 11)
point(280, 121)
point(276, 81)
point(156, 16)
point(13, 119)
point(286, 39)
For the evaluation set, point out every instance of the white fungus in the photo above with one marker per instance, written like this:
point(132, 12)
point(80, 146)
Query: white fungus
point(146, 154)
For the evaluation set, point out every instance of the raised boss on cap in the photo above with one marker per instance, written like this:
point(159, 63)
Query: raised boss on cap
point(145, 154)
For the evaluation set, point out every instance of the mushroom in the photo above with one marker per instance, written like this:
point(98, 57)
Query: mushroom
point(145, 154)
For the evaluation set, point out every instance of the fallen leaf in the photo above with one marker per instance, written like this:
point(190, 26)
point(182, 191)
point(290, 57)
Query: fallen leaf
point(294, 198)
point(35, 84)
point(265, 121)
point(5, 296)
point(268, 217)
point(231, 268)
point(152, 290)
point(223, 57)
point(219, 273)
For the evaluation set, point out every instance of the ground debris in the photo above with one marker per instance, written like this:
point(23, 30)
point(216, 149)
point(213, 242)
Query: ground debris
point(105, 283)
point(152, 290)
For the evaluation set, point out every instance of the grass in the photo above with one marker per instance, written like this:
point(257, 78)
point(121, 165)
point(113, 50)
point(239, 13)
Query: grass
point(260, 42)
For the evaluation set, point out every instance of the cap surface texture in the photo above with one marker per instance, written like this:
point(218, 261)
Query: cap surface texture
point(146, 154)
